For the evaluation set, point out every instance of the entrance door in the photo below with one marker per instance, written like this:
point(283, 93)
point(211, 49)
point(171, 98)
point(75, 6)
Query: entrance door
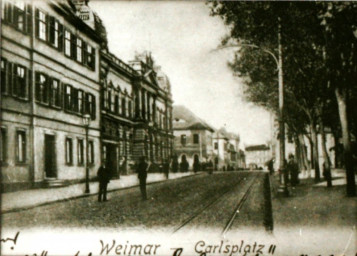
point(112, 161)
point(50, 156)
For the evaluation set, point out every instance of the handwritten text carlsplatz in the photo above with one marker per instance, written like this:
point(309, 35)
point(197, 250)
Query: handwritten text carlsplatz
point(201, 248)
point(11, 241)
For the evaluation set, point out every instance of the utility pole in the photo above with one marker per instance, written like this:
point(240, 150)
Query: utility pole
point(283, 189)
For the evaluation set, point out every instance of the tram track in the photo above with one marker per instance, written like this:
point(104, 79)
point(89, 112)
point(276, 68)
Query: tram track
point(218, 199)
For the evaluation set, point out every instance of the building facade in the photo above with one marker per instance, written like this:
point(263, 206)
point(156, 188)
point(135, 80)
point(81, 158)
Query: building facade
point(60, 85)
point(117, 112)
point(153, 134)
point(49, 80)
point(257, 156)
point(228, 156)
point(193, 137)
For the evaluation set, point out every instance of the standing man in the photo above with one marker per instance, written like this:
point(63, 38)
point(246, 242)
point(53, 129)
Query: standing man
point(293, 170)
point(104, 178)
point(142, 169)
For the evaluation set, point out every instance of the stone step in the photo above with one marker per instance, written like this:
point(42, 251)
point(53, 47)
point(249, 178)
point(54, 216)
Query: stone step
point(53, 182)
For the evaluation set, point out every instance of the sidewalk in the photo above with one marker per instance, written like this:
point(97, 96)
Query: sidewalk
point(315, 205)
point(20, 200)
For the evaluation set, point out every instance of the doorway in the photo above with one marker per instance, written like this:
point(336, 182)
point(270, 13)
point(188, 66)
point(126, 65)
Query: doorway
point(50, 156)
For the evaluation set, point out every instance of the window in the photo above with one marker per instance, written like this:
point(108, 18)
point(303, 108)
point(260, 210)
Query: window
point(90, 57)
point(42, 88)
point(90, 105)
point(54, 30)
point(183, 140)
point(216, 145)
point(129, 109)
point(69, 151)
point(112, 102)
point(123, 106)
point(117, 104)
point(67, 43)
point(196, 138)
point(90, 152)
point(17, 14)
point(55, 94)
point(106, 99)
point(20, 88)
point(4, 83)
point(80, 148)
point(79, 50)
point(68, 97)
point(20, 146)
point(80, 101)
point(42, 25)
point(3, 146)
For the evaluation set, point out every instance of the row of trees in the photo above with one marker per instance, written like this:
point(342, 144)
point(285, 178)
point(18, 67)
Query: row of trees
point(318, 46)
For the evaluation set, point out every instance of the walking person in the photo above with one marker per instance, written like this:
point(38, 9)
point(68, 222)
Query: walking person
point(104, 178)
point(293, 170)
point(142, 169)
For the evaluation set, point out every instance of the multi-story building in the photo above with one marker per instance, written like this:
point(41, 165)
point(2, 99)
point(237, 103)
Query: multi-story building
point(117, 110)
point(49, 81)
point(257, 156)
point(193, 137)
point(60, 85)
point(153, 136)
point(228, 156)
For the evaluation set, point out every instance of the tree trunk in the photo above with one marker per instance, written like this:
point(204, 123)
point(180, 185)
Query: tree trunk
point(342, 110)
point(327, 162)
point(315, 150)
point(337, 150)
point(303, 153)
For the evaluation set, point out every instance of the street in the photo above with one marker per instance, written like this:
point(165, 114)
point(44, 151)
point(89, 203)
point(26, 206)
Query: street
point(226, 201)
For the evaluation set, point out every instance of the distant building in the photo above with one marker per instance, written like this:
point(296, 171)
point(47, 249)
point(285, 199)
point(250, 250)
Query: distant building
point(256, 156)
point(228, 156)
point(193, 137)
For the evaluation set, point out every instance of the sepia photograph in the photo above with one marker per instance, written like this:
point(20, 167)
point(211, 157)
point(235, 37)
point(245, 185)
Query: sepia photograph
point(178, 128)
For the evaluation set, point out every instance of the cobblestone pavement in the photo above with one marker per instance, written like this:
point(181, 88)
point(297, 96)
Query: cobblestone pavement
point(212, 197)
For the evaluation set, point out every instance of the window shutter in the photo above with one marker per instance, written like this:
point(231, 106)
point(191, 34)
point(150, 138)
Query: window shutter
point(84, 52)
point(73, 46)
point(14, 80)
point(60, 88)
point(9, 77)
point(37, 21)
point(60, 37)
point(29, 84)
point(49, 90)
point(48, 27)
point(85, 105)
point(93, 107)
point(37, 87)
point(28, 18)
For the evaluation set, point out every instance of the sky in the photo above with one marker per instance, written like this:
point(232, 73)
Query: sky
point(182, 36)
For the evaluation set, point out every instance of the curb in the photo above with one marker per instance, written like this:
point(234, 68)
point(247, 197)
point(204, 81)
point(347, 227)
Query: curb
point(19, 209)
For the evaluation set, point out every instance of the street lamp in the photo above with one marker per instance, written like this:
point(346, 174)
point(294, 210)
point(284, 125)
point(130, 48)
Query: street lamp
point(283, 189)
point(86, 123)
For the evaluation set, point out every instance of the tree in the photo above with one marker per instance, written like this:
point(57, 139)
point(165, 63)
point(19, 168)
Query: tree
point(340, 33)
point(312, 44)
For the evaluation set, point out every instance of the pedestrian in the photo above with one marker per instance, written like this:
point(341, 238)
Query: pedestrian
point(166, 168)
point(104, 178)
point(293, 169)
point(271, 166)
point(142, 169)
point(184, 165)
point(174, 164)
point(327, 174)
